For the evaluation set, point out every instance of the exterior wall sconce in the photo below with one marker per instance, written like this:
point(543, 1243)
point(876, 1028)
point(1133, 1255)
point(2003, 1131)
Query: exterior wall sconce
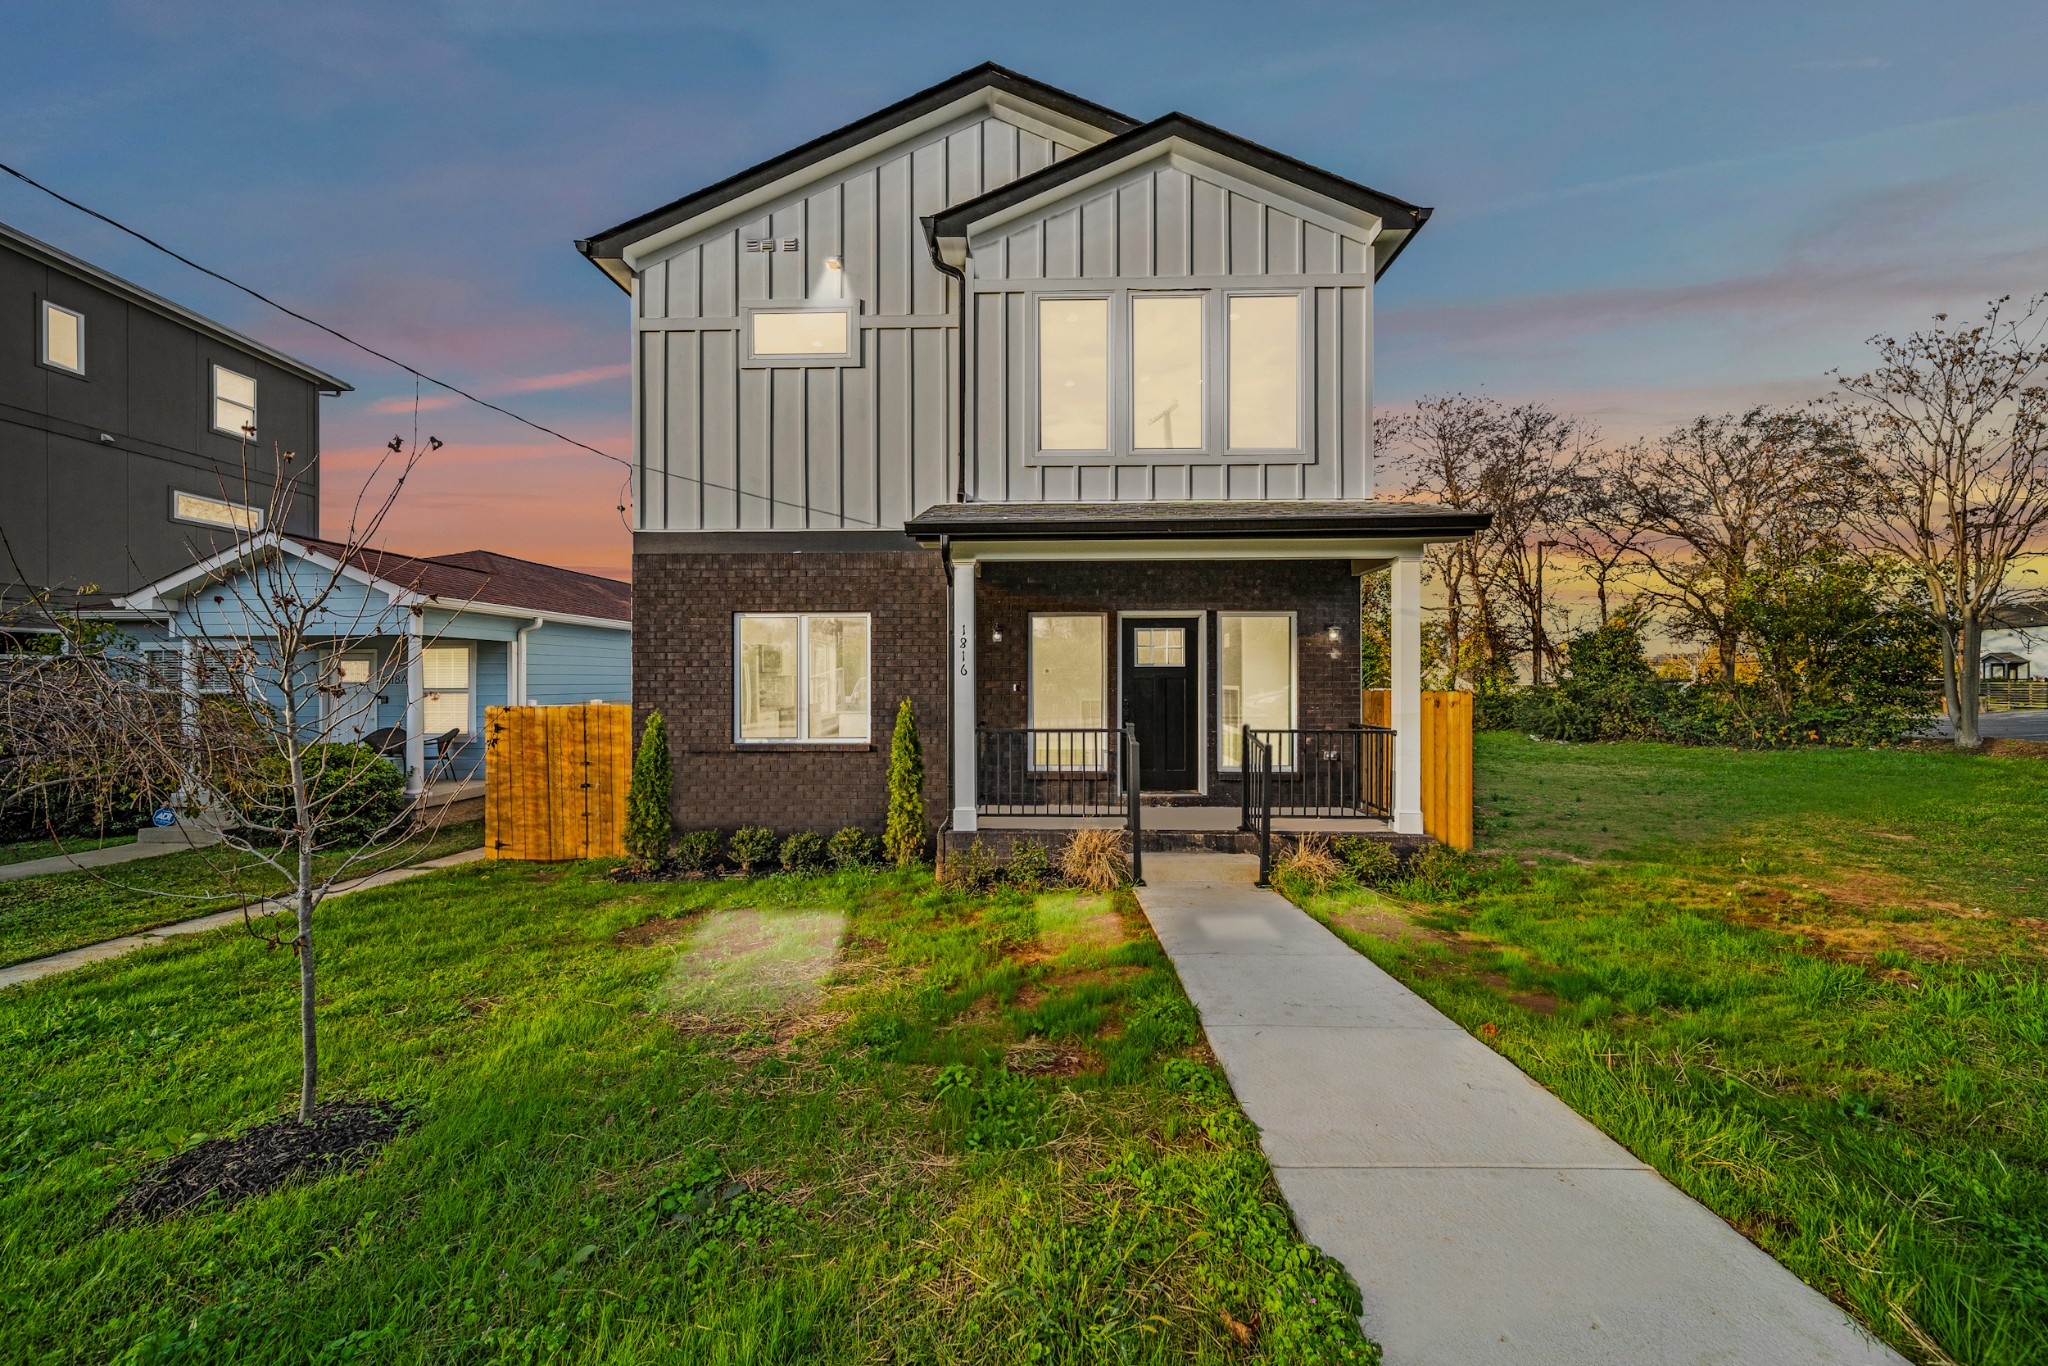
point(996, 634)
point(1336, 633)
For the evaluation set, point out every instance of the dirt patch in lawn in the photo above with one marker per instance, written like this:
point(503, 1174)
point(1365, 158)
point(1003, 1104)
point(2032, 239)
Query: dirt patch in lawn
point(660, 929)
point(754, 965)
point(1388, 920)
point(1037, 1058)
point(343, 1136)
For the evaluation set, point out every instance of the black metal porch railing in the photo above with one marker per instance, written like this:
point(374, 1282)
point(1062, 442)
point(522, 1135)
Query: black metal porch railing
point(1335, 772)
point(1258, 798)
point(1061, 772)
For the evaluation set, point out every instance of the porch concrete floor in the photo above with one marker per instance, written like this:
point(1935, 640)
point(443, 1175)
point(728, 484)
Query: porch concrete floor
point(1206, 819)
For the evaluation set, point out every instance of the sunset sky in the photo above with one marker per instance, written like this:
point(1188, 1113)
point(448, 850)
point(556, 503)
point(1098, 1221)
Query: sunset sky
point(1643, 211)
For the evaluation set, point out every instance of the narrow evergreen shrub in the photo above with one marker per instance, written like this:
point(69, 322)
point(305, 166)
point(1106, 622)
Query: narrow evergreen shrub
point(903, 837)
point(1030, 866)
point(752, 846)
point(648, 827)
point(804, 852)
point(1368, 862)
point(697, 850)
point(852, 847)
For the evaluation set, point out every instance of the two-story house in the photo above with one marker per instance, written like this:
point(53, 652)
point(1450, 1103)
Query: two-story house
point(1055, 423)
point(137, 436)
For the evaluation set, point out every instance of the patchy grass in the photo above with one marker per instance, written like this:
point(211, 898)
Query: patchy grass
point(25, 850)
point(854, 1118)
point(1808, 987)
point(43, 915)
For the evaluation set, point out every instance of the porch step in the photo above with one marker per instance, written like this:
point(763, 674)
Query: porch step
point(1207, 868)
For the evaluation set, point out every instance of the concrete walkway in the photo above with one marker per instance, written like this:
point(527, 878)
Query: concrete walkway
point(1484, 1220)
point(36, 968)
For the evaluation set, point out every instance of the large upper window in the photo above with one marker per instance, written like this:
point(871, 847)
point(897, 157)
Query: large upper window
point(1069, 689)
point(1073, 374)
point(446, 675)
point(1265, 372)
point(802, 677)
point(193, 507)
point(1255, 684)
point(63, 340)
point(234, 403)
point(1166, 372)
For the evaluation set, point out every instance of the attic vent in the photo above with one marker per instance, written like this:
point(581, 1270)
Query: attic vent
point(774, 244)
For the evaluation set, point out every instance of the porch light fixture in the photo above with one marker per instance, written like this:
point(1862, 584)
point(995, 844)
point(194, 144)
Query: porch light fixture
point(996, 634)
point(1336, 632)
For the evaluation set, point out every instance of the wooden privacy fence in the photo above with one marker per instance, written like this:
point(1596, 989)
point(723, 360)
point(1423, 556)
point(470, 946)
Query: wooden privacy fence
point(555, 781)
point(1446, 759)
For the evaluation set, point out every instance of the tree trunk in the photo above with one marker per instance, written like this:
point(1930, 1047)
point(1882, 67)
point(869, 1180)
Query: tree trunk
point(1726, 645)
point(1968, 668)
point(309, 1046)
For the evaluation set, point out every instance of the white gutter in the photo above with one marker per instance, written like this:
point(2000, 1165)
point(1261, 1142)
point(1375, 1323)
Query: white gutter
point(518, 684)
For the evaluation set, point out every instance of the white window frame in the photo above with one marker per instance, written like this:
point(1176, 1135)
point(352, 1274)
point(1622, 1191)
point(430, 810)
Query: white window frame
point(848, 358)
point(1293, 683)
point(45, 307)
point(253, 515)
point(468, 647)
point(1206, 447)
point(803, 680)
point(255, 408)
point(1305, 360)
point(1116, 410)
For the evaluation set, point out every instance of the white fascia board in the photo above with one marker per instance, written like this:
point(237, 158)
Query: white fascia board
point(986, 100)
point(1192, 548)
point(492, 609)
point(151, 596)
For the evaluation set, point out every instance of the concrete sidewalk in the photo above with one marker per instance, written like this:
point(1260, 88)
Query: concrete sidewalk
point(1484, 1219)
point(113, 948)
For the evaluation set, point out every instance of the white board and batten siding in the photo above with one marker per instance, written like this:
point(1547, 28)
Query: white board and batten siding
point(724, 446)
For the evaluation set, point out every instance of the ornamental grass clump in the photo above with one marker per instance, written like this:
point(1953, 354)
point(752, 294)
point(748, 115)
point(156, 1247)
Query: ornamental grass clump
point(1095, 859)
point(752, 846)
point(1311, 864)
point(903, 838)
point(648, 826)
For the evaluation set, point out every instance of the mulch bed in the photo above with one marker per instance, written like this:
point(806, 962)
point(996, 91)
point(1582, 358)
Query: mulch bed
point(343, 1136)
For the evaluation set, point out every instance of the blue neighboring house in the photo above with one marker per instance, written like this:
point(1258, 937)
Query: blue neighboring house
point(422, 643)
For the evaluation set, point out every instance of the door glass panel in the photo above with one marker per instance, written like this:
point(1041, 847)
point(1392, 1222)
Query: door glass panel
point(1073, 374)
point(1255, 682)
point(1069, 680)
point(838, 678)
point(1160, 647)
point(767, 682)
point(1166, 373)
point(1265, 371)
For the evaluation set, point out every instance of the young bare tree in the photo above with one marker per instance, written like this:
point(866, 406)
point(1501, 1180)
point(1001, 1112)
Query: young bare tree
point(248, 727)
point(1705, 502)
point(1597, 529)
point(1442, 445)
point(1953, 423)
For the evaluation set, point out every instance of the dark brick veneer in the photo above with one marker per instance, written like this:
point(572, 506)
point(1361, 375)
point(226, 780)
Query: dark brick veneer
point(1319, 592)
point(683, 606)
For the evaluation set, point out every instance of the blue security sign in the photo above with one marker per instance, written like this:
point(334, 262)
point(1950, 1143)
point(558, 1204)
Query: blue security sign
point(163, 817)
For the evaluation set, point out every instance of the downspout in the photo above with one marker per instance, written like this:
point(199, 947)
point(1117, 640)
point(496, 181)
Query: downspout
point(959, 275)
point(946, 570)
point(519, 658)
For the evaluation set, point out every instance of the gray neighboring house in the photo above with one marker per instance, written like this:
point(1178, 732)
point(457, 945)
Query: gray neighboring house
point(1053, 422)
point(122, 449)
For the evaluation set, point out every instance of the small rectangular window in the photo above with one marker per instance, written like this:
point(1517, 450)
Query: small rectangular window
point(1163, 647)
point(1166, 372)
point(1265, 372)
point(63, 338)
point(234, 403)
point(1073, 374)
point(445, 670)
point(1255, 682)
point(802, 677)
point(820, 332)
point(1069, 690)
point(192, 507)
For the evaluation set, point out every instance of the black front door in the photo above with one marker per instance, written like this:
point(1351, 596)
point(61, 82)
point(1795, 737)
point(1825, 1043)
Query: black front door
point(1160, 698)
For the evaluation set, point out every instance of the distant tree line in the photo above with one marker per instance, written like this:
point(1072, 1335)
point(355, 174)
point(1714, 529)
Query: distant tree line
point(1829, 568)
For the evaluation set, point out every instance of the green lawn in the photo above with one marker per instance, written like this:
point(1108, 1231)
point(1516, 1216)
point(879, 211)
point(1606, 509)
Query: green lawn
point(1808, 987)
point(42, 915)
point(25, 850)
point(849, 1119)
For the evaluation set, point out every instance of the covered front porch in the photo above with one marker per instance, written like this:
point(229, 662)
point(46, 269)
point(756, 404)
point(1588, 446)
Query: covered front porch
point(1189, 671)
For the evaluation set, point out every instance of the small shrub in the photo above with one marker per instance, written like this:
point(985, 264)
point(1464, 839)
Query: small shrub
point(1030, 866)
point(904, 835)
point(752, 846)
point(1368, 862)
point(973, 869)
point(1311, 863)
point(852, 847)
point(697, 851)
point(1441, 873)
point(360, 796)
point(648, 825)
point(1095, 859)
point(805, 852)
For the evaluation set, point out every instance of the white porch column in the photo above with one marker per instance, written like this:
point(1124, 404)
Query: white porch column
point(1405, 608)
point(415, 706)
point(962, 666)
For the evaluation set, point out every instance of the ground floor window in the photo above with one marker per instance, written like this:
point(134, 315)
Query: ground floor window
point(802, 676)
point(1069, 688)
point(1255, 685)
point(448, 684)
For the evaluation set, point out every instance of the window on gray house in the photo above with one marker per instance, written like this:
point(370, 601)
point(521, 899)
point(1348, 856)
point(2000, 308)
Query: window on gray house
point(802, 677)
point(234, 403)
point(1166, 372)
point(825, 333)
point(1265, 372)
point(193, 507)
point(1073, 374)
point(63, 345)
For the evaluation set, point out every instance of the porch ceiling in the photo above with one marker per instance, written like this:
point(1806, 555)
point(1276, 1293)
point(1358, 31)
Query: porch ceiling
point(1349, 519)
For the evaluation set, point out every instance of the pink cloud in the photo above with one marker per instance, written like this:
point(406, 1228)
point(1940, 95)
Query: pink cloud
point(532, 384)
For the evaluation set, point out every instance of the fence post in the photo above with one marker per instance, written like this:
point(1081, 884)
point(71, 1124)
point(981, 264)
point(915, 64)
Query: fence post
point(1137, 823)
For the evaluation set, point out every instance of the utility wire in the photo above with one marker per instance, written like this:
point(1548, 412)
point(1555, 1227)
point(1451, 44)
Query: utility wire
point(416, 373)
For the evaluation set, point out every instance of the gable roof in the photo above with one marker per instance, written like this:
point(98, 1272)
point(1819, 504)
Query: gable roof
point(1400, 220)
point(606, 249)
point(37, 249)
point(465, 580)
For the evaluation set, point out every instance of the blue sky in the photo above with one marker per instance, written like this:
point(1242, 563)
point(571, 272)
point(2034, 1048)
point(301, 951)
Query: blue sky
point(1644, 211)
